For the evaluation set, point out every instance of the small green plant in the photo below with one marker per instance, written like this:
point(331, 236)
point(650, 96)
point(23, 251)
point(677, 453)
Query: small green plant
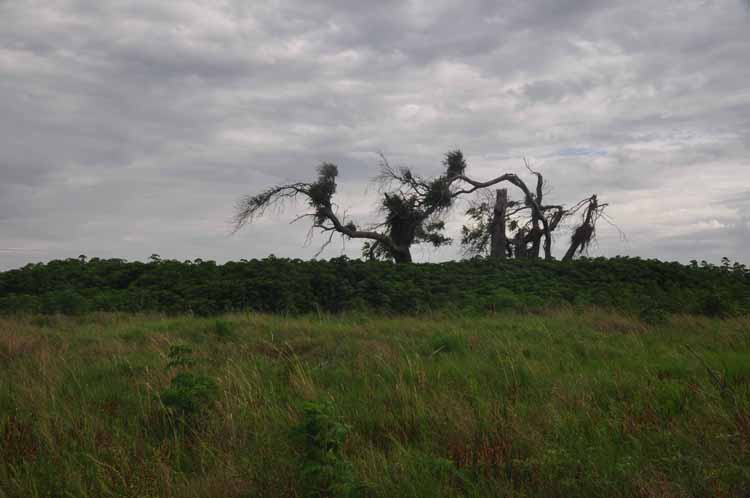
point(325, 470)
point(188, 393)
point(223, 329)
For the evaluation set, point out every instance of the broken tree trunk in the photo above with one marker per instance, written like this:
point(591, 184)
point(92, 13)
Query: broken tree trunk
point(498, 244)
point(585, 232)
point(519, 245)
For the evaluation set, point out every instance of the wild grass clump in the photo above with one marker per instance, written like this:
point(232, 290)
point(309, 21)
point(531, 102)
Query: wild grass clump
point(444, 343)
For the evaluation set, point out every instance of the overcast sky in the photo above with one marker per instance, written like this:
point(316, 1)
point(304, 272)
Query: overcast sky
point(131, 127)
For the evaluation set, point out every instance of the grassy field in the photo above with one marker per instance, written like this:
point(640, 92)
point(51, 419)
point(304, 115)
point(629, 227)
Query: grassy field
point(566, 403)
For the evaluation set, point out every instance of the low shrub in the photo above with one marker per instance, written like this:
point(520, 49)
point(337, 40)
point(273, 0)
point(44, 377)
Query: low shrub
point(324, 469)
point(189, 394)
point(223, 329)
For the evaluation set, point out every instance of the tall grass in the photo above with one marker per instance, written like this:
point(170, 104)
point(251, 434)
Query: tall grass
point(557, 404)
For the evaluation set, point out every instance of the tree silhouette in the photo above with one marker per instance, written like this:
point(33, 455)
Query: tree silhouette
point(529, 221)
point(413, 208)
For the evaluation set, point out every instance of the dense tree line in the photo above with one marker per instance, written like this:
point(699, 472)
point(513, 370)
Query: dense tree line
point(341, 284)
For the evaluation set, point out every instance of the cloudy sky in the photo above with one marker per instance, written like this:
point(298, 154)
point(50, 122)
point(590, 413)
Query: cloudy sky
point(131, 127)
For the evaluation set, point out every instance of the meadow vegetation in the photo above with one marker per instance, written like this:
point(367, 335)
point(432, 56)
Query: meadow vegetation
point(578, 401)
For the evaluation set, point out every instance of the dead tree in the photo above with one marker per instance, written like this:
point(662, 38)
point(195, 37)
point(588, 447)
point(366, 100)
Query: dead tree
point(413, 209)
point(532, 223)
point(585, 232)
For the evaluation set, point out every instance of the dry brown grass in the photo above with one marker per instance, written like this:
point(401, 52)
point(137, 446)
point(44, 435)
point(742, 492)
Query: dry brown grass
point(14, 345)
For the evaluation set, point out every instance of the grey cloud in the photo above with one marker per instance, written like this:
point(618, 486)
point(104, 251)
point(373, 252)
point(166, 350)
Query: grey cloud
point(710, 245)
point(550, 91)
point(131, 127)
